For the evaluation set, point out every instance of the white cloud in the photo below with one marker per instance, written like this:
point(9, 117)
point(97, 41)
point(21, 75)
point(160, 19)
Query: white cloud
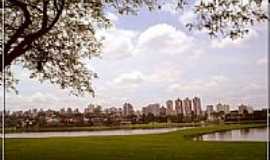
point(219, 78)
point(118, 43)
point(136, 79)
point(35, 99)
point(155, 38)
point(197, 54)
point(131, 79)
point(253, 86)
point(213, 82)
point(39, 97)
point(171, 7)
point(262, 61)
point(165, 73)
point(188, 17)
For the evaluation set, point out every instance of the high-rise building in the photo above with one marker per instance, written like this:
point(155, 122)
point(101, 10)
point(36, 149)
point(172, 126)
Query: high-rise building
point(90, 108)
point(62, 110)
point(197, 108)
point(76, 110)
point(69, 110)
point(128, 109)
point(111, 110)
point(209, 109)
point(209, 112)
point(152, 108)
point(187, 104)
point(179, 106)
point(169, 104)
point(250, 110)
point(242, 108)
point(223, 108)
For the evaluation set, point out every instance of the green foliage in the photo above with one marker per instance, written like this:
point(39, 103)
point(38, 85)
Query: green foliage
point(228, 17)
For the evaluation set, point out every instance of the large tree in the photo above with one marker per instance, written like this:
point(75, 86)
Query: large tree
point(52, 38)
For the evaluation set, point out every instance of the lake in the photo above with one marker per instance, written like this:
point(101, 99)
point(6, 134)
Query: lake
point(247, 134)
point(92, 133)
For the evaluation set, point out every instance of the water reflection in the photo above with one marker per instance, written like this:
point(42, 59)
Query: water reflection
point(91, 133)
point(248, 134)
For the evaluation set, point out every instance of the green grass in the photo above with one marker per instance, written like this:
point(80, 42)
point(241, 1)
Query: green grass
point(169, 146)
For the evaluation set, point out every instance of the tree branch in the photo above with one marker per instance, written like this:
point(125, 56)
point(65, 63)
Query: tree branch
point(21, 29)
point(21, 48)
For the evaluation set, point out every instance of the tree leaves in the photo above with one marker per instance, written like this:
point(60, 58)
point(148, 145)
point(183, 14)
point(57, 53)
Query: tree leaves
point(228, 17)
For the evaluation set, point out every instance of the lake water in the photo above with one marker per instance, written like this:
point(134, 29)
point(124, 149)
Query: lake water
point(91, 133)
point(248, 134)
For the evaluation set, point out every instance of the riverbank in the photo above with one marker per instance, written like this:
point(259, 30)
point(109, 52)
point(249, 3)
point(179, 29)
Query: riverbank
point(103, 128)
point(167, 146)
point(130, 126)
point(190, 134)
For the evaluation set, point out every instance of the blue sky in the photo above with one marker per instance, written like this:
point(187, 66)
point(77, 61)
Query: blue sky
point(152, 57)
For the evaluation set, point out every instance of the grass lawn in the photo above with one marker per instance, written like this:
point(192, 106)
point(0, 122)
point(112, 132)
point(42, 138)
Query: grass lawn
point(169, 146)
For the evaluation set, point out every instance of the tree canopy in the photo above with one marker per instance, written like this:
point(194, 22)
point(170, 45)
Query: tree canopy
point(52, 38)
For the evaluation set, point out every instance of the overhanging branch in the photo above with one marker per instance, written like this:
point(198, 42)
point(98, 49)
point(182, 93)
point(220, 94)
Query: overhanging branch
point(22, 47)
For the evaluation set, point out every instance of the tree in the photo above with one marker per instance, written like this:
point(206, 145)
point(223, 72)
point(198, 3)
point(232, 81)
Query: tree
point(53, 38)
point(98, 110)
point(150, 117)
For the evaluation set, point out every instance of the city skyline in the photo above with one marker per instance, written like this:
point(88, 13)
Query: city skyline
point(154, 58)
point(177, 105)
point(177, 111)
point(135, 79)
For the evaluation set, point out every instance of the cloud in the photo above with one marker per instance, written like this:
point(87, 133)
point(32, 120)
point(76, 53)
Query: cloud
point(171, 7)
point(154, 39)
point(164, 73)
point(254, 86)
point(213, 82)
point(131, 79)
point(121, 43)
point(197, 54)
point(39, 97)
point(262, 61)
point(188, 17)
point(118, 43)
point(45, 99)
point(35, 99)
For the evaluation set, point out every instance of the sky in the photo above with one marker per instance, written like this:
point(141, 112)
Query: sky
point(152, 57)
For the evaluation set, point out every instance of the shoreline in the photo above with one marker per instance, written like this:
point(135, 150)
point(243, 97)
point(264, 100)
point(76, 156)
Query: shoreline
point(104, 128)
point(123, 127)
point(226, 127)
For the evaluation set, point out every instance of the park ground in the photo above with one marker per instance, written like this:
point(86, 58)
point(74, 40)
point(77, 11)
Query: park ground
point(177, 145)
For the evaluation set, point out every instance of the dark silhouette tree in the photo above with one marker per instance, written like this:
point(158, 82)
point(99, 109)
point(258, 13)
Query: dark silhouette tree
point(53, 38)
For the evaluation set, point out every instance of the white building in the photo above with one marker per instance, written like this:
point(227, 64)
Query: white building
point(179, 106)
point(169, 105)
point(197, 106)
point(223, 108)
point(152, 108)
